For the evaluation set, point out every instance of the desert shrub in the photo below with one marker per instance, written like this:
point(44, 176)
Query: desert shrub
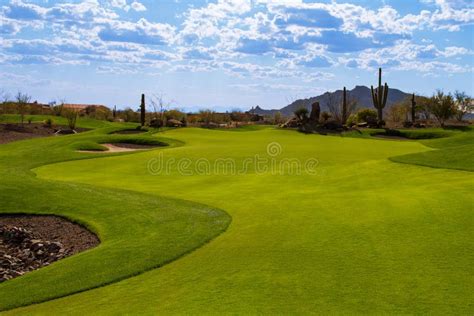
point(129, 115)
point(71, 117)
point(174, 114)
point(336, 107)
point(278, 118)
point(464, 105)
point(325, 116)
point(398, 112)
point(301, 114)
point(22, 100)
point(98, 112)
point(351, 120)
point(239, 116)
point(442, 107)
point(206, 116)
point(57, 110)
point(156, 123)
point(366, 115)
point(49, 122)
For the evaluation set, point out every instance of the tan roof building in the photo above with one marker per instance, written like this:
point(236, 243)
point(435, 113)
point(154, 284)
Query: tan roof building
point(79, 107)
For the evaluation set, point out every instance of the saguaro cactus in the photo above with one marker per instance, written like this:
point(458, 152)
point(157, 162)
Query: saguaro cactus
point(413, 109)
point(142, 111)
point(344, 106)
point(379, 98)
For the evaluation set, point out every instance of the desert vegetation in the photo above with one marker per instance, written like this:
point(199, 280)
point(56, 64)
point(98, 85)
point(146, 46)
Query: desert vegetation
point(413, 112)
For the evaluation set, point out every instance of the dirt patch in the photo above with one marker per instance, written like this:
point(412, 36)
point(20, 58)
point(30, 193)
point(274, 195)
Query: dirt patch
point(13, 132)
point(120, 147)
point(29, 242)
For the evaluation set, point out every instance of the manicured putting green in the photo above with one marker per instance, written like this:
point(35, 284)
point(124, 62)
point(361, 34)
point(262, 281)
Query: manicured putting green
point(363, 234)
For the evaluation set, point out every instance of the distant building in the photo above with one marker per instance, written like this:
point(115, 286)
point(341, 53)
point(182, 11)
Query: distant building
point(80, 107)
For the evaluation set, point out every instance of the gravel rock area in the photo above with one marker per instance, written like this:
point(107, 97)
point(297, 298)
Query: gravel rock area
point(29, 242)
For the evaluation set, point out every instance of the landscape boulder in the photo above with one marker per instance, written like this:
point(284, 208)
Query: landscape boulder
point(174, 123)
point(315, 112)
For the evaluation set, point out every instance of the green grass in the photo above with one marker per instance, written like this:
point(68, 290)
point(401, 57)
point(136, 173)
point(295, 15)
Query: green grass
point(452, 152)
point(248, 128)
point(84, 122)
point(138, 231)
point(362, 235)
point(89, 145)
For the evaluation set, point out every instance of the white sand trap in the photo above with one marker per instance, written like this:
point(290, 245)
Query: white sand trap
point(111, 148)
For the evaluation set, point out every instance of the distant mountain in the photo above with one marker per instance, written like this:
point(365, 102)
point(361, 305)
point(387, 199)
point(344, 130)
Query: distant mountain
point(360, 93)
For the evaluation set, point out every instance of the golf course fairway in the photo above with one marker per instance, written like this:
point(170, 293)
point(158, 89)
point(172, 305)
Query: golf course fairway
point(373, 226)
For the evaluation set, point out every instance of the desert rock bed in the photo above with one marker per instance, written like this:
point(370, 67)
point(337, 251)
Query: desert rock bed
point(30, 242)
point(13, 132)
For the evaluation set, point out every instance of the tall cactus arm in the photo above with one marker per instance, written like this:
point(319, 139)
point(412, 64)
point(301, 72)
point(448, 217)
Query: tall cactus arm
point(379, 90)
point(385, 95)
point(374, 96)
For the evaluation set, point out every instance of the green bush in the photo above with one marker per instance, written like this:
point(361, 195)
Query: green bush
point(366, 115)
point(351, 120)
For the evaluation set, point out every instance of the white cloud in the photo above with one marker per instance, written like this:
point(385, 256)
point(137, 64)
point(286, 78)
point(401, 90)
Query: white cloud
point(137, 6)
point(120, 4)
point(408, 56)
point(140, 32)
point(227, 34)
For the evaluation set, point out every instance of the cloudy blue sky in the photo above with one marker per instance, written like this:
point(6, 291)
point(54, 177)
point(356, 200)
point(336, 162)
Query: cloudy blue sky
point(227, 54)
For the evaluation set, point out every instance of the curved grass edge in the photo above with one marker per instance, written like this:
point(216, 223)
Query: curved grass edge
point(431, 159)
point(219, 219)
point(453, 152)
point(125, 277)
point(83, 224)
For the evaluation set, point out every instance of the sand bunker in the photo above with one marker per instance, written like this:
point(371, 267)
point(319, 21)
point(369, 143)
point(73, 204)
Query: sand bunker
point(120, 147)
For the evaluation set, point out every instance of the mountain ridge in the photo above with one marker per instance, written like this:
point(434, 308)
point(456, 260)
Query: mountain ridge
point(361, 94)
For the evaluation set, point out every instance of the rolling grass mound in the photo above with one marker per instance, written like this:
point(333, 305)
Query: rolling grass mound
point(138, 231)
point(89, 146)
point(455, 152)
point(361, 235)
